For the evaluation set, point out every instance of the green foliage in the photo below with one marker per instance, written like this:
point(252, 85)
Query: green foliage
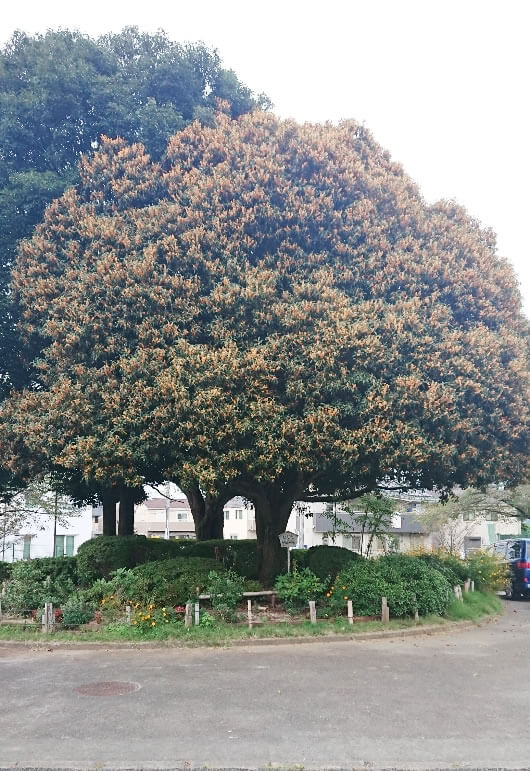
point(5, 570)
point(102, 556)
point(456, 570)
point(327, 561)
point(76, 611)
point(406, 582)
point(295, 589)
point(299, 558)
point(37, 581)
point(489, 572)
point(165, 582)
point(226, 591)
point(240, 556)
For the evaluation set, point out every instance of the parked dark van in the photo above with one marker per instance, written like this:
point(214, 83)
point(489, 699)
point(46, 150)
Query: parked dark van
point(516, 552)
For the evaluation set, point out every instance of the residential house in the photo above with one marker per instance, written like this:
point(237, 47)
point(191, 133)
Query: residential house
point(35, 538)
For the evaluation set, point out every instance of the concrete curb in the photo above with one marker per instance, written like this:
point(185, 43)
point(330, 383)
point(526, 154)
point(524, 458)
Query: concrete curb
point(416, 631)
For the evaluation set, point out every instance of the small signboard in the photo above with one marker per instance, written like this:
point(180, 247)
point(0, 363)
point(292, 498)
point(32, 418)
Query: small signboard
point(288, 539)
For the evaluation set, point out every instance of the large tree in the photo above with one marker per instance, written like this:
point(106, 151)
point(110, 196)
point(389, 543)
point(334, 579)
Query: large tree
point(58, 93)
point(271, 309)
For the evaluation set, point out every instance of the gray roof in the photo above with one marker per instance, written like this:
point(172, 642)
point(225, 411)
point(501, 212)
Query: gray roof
point(324, 524)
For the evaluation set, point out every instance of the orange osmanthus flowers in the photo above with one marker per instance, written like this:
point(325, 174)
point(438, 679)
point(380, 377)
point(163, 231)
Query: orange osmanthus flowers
point(271, 307)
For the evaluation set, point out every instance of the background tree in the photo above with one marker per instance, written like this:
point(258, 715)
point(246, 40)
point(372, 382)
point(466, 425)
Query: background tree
point(273, 308)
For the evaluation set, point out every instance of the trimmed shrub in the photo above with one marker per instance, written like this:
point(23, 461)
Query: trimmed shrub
point(34, 582)
point(299, 558)
point(326, 562)
point(76, 611)
point(101, 556)
point(449, 565)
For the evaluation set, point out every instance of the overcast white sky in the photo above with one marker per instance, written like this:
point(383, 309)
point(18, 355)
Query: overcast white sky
point(444, 85)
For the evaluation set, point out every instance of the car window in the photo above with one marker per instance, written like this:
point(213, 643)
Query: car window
point(514, 550)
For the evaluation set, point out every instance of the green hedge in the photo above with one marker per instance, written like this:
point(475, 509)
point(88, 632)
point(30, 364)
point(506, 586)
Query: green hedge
point(327, 561)
point(100, 557)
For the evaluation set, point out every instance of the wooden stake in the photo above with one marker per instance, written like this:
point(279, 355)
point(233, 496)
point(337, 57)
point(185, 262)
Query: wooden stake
point(197, 614)
point(249, 612)
point(187, 615)
point(350, 612)
point(312, 611)
point(385, 612)
point(128, 614)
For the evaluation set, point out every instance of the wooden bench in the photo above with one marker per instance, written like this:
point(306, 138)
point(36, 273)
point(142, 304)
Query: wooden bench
point(249, 595)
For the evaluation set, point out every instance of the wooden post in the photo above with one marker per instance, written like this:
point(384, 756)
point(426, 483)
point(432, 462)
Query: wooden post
point(47, 618)
point(472, 586)
point(467, 585)
point(249, 612)
point(312, 611)
point(197, 614)
point(385, 612)
point(187, 615)
point(416, 614)
point(128, 614)
point(350, 612)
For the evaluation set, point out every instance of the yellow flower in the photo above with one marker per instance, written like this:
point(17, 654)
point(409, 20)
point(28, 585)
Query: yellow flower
point(328, 594)
point(345, 597)
point(343, 588)
point(164, 610)
point(153, 623)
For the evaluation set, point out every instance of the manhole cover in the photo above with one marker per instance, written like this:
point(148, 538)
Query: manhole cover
point(107, 688)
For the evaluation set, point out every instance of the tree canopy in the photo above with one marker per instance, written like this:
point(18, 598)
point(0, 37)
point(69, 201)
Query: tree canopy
point(273, 309)
point(59, 92)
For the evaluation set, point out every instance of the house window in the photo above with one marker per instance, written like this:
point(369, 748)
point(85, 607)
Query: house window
point(347, 542)
point(227, 514)
point(96, 520)
point(468, 516)
point(471, 543)
point(491, 517)
point(239, 513)
point(26, 554)
point(233, 537)
point(64, 545)
point(182, 515)
point(356, 543)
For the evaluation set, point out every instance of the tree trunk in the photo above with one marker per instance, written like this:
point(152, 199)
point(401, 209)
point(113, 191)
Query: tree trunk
point(126, 519)
point(109, 499)
point(207, 512)
point(272, 514)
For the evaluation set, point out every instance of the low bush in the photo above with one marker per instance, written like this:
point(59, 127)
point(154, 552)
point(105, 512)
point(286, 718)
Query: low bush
point(326, 562)
point(295, 589)
point(456, 570)
point(164, 582)
point(407, 583)
point(488, 571)
point(34, 582)
point(76, 611)
point(226, 591)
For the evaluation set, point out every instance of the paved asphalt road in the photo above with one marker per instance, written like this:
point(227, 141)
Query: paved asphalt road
point(459, 699)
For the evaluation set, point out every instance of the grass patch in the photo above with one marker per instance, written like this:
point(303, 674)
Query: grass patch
point(476, 605)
